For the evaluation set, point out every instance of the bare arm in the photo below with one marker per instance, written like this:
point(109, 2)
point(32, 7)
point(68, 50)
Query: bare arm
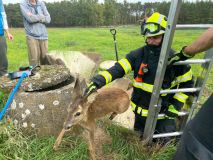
point(203, 43)
point(9, 35)
point(5, 25)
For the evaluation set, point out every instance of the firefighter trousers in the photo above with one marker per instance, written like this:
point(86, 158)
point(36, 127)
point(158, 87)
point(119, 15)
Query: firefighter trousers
point(162, 126)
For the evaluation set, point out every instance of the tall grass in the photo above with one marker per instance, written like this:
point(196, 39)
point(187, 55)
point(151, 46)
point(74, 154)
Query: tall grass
point(125, 145)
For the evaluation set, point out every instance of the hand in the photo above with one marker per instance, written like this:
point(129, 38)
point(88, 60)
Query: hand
point(10, 36)
point(90, 89)
point(181, 56)
point(29, 14)
point(171, 111)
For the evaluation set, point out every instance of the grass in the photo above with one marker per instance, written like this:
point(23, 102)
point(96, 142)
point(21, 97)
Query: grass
point(125, 144)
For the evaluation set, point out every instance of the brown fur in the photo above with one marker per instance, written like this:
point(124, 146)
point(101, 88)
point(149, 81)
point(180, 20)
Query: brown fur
point(85, 111)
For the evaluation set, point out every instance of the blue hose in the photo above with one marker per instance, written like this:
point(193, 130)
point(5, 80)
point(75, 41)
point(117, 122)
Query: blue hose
point(24, 75)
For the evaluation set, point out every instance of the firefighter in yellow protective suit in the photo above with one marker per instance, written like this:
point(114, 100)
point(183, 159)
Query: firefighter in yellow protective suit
point(143, 62)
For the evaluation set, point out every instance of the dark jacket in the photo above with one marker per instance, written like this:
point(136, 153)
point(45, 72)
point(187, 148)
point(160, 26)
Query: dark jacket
point(175, 76)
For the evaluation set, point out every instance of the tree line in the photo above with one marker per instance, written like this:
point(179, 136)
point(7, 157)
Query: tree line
point(70, 13)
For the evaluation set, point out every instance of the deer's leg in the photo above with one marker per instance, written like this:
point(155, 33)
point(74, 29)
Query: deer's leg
point(58, 140)
point(113, 116)
point(90, 138)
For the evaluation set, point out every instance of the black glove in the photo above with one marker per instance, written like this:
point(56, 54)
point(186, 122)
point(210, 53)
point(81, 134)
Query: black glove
point(181, 56)
point(171, 111)
point(92, 87)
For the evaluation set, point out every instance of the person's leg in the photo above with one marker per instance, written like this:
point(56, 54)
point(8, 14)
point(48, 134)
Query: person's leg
point(44, 51)
point(196, 141)
point(33, 51)
point(165, 126)
point(190, 148)
point(3, 56)
point(139, 124)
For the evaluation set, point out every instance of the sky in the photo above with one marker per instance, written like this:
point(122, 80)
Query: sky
point(143, 1)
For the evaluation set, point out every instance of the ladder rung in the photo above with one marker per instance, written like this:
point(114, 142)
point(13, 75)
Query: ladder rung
point(193, 61)
point(171, 134)
point(190, 26)
point(179, 114)
point(169, 91)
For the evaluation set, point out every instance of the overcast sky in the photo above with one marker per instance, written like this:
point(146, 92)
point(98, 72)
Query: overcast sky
point(143, 1)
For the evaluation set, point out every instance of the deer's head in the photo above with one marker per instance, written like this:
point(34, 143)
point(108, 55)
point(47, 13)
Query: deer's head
point(77, 110)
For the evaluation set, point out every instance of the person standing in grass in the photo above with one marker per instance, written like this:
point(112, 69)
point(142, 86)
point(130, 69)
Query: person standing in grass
point(35, 18)
point(197, 139)
point(3, 44)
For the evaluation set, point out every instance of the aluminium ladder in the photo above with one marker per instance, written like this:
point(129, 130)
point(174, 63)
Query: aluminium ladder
point(155, 103)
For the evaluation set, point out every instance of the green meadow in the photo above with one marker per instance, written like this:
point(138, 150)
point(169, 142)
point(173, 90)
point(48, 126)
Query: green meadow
point(125, 144)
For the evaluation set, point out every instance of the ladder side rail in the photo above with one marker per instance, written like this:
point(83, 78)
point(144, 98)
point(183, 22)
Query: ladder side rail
point(201, 81)
point(154, 106)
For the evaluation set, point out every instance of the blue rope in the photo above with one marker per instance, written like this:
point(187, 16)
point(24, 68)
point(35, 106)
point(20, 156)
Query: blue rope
point(24, 75)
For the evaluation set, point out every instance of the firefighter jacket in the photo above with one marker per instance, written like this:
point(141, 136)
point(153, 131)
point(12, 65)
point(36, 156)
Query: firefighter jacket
point(179, 76)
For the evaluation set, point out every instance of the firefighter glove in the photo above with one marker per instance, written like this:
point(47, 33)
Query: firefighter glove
point(171, 111)
point(181, 56)
point(92, 87)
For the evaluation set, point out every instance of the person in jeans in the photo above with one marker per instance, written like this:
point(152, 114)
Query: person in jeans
point(3, 44)
point(35, 18)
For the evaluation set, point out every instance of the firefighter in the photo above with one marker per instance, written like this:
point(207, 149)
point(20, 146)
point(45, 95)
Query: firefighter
point(143, 62)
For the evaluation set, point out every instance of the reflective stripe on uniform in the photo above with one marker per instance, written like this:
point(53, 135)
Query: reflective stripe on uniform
point(145, 86)
point(125, 65)
point(181, 97)
point(141, 111)
point(173, 109)
point(186, 77)
point(149, 87)
point(183, 78)
point(107, 76)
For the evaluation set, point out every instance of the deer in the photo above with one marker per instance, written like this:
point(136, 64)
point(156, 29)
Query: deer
point(85, 110)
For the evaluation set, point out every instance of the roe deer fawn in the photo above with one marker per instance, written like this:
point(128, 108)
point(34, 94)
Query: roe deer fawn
point(85, 110)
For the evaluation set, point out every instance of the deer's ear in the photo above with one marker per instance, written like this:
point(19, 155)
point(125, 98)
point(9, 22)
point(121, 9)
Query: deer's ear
point(77, 89)
point(83, 86)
